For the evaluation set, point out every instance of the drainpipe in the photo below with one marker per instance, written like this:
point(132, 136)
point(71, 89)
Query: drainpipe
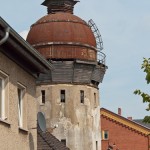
point(148, 136)
point(4, 39)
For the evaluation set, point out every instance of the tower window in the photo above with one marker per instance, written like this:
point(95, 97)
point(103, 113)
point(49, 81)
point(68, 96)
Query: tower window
point(63, 141)
point(81, 96)
point(62, 96)
point(96, 145)
point(43, 96)
point(95, 98)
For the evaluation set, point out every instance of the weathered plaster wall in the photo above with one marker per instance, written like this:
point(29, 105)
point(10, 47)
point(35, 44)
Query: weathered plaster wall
point(78, 123)
point(11, 137)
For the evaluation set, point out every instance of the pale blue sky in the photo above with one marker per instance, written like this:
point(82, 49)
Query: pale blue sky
point(125, 29)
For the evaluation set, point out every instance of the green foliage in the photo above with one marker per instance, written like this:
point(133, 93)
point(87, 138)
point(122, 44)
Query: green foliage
point(145, 96)
point(147, 119)
point(146, 67)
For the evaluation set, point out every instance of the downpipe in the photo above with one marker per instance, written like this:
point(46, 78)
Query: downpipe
point(4, 39)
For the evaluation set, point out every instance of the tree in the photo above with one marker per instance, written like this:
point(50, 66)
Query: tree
point(146, 97)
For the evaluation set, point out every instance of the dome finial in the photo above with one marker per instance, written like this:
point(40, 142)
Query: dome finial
point(54, 6)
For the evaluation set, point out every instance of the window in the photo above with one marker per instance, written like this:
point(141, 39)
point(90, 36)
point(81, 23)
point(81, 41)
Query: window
point(63, 141)
point(95, 99)
point(62, 96)
point(21, 95)
point(82, 96)
point(3, 95)
point(105, 135)
point(43, 96)
point(96, 145)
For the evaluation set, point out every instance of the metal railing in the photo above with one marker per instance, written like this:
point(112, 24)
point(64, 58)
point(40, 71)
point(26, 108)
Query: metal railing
point(101, 57)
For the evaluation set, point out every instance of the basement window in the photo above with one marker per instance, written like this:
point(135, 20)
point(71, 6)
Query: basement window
point(82, 96)
point(43, 96)
point(63, 141)
point(62, 96)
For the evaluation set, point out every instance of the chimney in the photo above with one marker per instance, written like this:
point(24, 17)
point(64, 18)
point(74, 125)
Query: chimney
point(130, 118)
point(119, 111)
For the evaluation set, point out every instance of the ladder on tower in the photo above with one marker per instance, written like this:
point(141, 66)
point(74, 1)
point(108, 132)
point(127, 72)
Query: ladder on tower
point(99, 42)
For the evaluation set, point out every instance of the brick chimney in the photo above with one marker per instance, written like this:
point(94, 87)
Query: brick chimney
point(119, 111)
point(130, 118)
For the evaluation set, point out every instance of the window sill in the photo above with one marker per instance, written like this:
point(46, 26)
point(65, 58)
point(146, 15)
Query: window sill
point(82, 104)
point(42, 104)
point(105, 139)
point(25, 131)
point(4, 122)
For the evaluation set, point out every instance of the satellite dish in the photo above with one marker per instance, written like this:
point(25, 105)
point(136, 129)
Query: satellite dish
point(41, 121)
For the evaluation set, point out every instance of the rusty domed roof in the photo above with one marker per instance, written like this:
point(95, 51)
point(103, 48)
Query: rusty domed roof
point(63, 36)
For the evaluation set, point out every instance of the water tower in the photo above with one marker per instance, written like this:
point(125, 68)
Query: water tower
point(69, 95)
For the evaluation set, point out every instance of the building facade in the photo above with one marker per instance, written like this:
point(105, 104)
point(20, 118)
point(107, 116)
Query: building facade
point(119, 133)
point(69, 94)
point(20, 65)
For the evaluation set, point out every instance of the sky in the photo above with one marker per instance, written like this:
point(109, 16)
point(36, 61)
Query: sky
point(125, 29)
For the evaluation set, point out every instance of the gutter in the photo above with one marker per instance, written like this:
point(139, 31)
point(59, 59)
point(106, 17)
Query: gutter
point(4, 39)
point(148, 136)
point(28, 49)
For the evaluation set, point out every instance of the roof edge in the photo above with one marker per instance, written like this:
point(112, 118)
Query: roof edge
point(125, 121)
point(28, 49)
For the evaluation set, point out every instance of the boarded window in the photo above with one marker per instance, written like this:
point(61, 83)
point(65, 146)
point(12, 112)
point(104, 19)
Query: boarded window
point(63, 141)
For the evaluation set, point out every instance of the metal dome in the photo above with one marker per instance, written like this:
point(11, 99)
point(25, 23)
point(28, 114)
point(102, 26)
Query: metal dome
point(63, 35)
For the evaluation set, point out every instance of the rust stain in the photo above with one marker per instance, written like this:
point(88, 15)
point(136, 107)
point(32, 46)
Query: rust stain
point(68, 52)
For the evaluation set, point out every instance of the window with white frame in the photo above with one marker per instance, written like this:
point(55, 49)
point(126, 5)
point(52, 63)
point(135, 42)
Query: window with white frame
point(21, 94)
point(95, 99)
point(105, 135)
point(3, 95)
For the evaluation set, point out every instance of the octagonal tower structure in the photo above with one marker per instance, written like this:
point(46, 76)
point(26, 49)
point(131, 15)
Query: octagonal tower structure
point(69, 95)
